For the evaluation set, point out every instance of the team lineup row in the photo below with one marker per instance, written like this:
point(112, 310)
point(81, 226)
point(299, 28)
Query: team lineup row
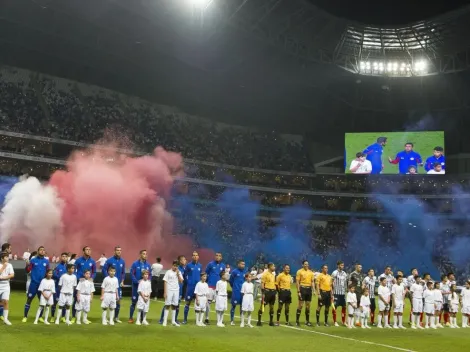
point(71, 286)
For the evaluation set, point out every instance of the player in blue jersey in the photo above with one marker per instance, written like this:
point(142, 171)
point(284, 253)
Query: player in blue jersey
point(37, 267)
point(374, 155)
point(181, 267)
point(237, 278)
point(137, 268)
point(406, 158)
point(120, 265)
point(213, 270)
point(437, 157)
point(85, 262)
point(59, 270)
point(192, 275)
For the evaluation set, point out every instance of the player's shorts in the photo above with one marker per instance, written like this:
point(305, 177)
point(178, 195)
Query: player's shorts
point(84, 303)
point(33, 289)
point(465, 309)
point(324, 299)
point(438, 306)
point(189, 294)
point(221, 303)
point(383, 307)
point(351, 310)
point(429, 308)
point(5, 293)
point(109, 300)
point(142, 305)
point(454, 307)
point(365, 312)
point(211, 295)
point(398, 307)
point(248, 303)
point(417, 305)
point(446, 307)
point(285, 296)
point(135, 293)
point(236, 298)
point(269, 297)
point(340, 301)
point(57, 293)
point(305, 294)
point(65, 299)
point(172, 298)
point(46, 302)
point(201, 307)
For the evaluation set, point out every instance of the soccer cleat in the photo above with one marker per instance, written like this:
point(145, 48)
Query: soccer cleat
point(271, 323)
point(47, 323)
point(388, 326)
point(6, 322)
point(249, 325)
point(79, 322)
point(24, 320)
point(242, 325)
point(86, 322)
point(220, 325)
point(138, 322)
point(420, 327)
point(259, 324)
point(277, 323)
point(317, 325)
point(326, 324)
point(111, 322)
point(308, 323)
point(117, 321)
point(395, 326)
point(232, 323)
point(2, 318)
point(206, 322)
point(336, 324)
point(379, 326)
point(363, 326)
point(448, 324)
point(104, 322)
point(160, 322)
point(163, 324)
point(35, 322)
point(176, 325)
point(402, 327)
point(52, 320)
point(368, 327)
point(297, 323)
point(63, 319)
point(73, 321)
point(131, 321)
point(184, 322)
point(440, 326)
point(288, 324)
point(41, 320)
point(145, 322)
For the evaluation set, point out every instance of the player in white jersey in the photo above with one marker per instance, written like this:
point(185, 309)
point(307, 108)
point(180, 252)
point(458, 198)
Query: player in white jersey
point(351, 299)
point(340, 286)
point(398, 295)
point(384, 303)
point(390, 280)
point(369, 283)
point(6, 273)
point(85, 290)
point(143, 303)
point(416, 291)
point(465, 297)
point(247, 301)
point(109, 296)
point(365, 308)
point(445, 290)
point(453, 306)
point(438, 301)
point(221, 299)
point(200, 292)
point(171, 290)
point(429, 305)
point(410, 280)
point(46, 300)
point(67, 284)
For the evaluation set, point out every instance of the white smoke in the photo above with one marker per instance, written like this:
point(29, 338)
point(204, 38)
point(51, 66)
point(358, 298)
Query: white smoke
point(32, 210)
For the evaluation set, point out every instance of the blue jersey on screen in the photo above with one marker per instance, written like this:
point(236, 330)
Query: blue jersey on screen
point(38, 267)
point(192, 274)
point(429, 165)
point(213, 271)
point(406, 159)
point(117, 263)
point(82, 264)
point(237, 278)
point(374, 155)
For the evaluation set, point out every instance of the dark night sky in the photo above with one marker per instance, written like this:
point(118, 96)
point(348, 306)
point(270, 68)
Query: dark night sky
point(388, 12)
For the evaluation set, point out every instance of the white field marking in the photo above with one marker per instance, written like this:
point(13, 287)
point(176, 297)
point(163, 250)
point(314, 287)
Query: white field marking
point(331, 335)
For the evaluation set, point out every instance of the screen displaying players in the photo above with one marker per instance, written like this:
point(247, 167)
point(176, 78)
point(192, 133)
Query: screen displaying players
point(404, 153)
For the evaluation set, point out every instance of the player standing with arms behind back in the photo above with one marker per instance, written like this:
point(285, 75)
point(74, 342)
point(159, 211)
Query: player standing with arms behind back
point(268, 290)
point(356, 278)
point(305, 282)
point(85, 262)
point(324, 293)
point(248, 305)
point(109, 296)
point(47, 290)
point(137, 269)
point(67, 284)
point(38, 266)
point(143, 303)
point(237, 278)
point(213, 270)
point(171, 292)
point(85, 290)
point(6, 274)
point(340, 282)
point(283, 282)
point(119, 265)
point(192, 275)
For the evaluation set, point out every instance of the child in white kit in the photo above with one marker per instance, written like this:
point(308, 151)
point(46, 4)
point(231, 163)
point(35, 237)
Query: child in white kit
point(6, 273)
point(247, 301)
point(453, 306)
point(417, 290)
point(384, 303)
point(67, 284)
point(201, 291)
point(351, 301)
point(109, 296)
point(365, 308)
point(221, 299)
point(85, 289)
point(429, 305)
point(465, 295)
point(398, 294)
point(143, 303)
point(439, 301)
point(47, 290)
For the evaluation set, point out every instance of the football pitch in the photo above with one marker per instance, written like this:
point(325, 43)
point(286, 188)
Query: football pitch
point(424, 144)
point(125, 337)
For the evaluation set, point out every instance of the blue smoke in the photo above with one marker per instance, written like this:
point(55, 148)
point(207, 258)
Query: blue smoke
point(6, 184)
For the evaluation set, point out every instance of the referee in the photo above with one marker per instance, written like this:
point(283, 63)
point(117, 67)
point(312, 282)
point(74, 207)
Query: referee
point(283, 282)
point(268, 292)
point(305, 284)
point(324, 292)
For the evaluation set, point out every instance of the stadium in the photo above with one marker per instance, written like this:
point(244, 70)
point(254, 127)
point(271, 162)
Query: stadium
point(267, 134)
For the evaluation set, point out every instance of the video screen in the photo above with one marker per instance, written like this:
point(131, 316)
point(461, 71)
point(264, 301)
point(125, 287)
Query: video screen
point(403, 153)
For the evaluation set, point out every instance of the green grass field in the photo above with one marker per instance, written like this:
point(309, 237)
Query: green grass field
point(424, 143)
point(124, 337)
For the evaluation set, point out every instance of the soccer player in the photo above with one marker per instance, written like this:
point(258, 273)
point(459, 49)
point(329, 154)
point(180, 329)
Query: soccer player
point(237, 278)
point(192, 275)
point(429, 305)
point(221, 294)
point(406, 158)
point(213, 270)
point(445, 290)
point(325, 293)
point(137, 268)
point(369, 283)
point(417, 291)
point(67, 284)
point(410, 281)
point(437, 170)
point(360, 165)
point(388, 275)
point(365, 308)
point(283, 282)
point(85, 290)
point(172, 280)
point(247, 301)
point(453, 306)
point(352, 306)
point(156, 270)
point(438, 302)
point(181, 268)
point(374, 155)
point(356, 278)
point(109, 296)
point(465, 297)
point(119, 265)
point(46, 299)
point(6, 274)
point(38, 267)
point(305, 285)
point(201, 290)
point(340, 281)
point(384, 303)
point(268, 290)
point(59, 270)
point(398, 298)
point(143, 303)
point(437, 157)
point(85, 262)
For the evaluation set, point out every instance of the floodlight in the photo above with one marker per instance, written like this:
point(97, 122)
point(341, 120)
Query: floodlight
point(199, 3)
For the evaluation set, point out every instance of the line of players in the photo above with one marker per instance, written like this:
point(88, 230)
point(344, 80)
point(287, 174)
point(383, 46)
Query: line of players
point(69, 289)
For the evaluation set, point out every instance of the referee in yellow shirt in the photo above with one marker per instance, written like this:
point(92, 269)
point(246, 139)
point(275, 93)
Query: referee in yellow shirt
point(283, 282)
point(305, 286)
point(268, 292)
point(324, 289)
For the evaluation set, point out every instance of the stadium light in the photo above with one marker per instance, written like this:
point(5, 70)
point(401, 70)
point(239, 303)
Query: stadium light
point(392, 68)
point(199, 3)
